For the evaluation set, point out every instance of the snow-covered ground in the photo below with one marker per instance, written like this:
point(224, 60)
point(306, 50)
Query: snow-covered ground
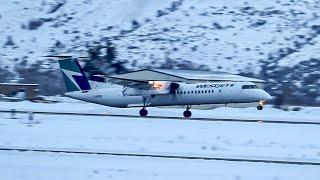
point(155, 136)
point(18, 166)
point(118, 134)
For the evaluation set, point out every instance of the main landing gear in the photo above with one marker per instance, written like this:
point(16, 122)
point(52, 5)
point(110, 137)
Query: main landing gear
point(187, 113)
point(260, 106)
point(144, 112)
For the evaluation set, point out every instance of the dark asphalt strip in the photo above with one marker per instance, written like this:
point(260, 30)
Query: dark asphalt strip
point(164, 156)
point(168, 117)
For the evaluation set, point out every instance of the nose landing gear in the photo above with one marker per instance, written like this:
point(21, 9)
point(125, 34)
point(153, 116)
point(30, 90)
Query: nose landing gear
point(259, 107)
point(144, 112)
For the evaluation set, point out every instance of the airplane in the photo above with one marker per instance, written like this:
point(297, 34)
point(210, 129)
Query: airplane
point(16, 97)
point(157, 90)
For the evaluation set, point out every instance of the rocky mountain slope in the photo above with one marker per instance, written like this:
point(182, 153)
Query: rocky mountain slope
point(276, 40)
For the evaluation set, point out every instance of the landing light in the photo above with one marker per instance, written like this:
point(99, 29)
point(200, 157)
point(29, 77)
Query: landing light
point(262, 102)
point(156, 84)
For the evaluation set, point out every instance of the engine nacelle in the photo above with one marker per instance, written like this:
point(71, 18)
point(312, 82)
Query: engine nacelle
point(174, 87)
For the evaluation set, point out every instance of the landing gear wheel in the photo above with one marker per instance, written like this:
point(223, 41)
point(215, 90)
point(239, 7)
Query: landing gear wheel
point(143, 112)
point(187, 114)
point(259, 107)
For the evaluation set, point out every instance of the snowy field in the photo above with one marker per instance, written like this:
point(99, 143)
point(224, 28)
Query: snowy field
point(17, 166)
point(154, 136)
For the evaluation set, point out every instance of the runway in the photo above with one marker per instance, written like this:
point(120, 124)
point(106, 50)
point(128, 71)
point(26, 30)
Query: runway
point(43, 150)
point(166, 117)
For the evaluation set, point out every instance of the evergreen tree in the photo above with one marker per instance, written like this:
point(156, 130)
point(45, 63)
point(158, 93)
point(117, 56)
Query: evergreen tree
point(103, 60)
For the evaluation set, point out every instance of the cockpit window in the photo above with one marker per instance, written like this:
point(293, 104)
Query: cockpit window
point(249, 87)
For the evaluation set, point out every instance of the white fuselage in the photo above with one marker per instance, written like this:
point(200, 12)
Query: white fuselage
point(186, 94)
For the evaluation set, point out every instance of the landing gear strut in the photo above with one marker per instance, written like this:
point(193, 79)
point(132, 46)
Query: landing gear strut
point(144, 112)
point(187, 113)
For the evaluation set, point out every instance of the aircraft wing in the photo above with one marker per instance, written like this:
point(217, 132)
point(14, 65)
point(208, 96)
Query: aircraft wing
point(186, 76)
point(144, 79)
point(144, 85)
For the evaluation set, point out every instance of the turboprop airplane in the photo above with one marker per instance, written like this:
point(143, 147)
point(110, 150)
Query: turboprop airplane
point(150, 88)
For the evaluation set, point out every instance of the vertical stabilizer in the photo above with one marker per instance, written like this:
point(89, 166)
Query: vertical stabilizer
point(74, 78)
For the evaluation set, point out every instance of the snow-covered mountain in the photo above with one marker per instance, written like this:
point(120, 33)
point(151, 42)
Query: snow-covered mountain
point(276, 40)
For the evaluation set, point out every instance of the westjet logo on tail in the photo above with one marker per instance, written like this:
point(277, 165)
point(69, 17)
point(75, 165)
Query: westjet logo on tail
point(70, 76)
point(73, 76)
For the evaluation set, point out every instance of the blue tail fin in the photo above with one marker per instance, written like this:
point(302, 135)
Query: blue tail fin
point(74, 77)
